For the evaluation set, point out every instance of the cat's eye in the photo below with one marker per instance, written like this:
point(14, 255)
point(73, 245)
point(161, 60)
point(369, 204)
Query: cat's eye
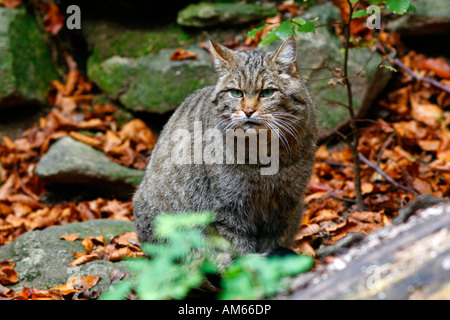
point(236, 93)
point(267, 93)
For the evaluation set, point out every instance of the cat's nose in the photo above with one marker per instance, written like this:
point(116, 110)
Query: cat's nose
point(248, 112)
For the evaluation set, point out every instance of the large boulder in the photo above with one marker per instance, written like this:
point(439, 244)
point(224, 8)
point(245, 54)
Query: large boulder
point(26, 68)
point(152, 83)
point(70, 162)
point(42, 257)
point(430, 17)
point(206, 14)
point(133, 66)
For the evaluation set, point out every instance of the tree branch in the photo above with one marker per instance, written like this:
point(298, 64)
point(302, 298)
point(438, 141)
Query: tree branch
point(355, 141)
point(386, 176)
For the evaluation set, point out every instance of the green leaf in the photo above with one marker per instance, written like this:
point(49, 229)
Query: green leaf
point(359, 14)
point(307, 27)
point(269, 38)
point(397, 6)
point(284, 30)
point(253, 32)
point(411, 8)
point(166, 224)
point(376, 1)
point(299, 21)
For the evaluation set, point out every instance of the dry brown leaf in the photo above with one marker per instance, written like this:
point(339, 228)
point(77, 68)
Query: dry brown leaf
point(11, 3)
point(121, 253)
point(112, 141)
point(307, 230)
point(77, 283)
point(138, 131)
point(91, 124)
point(53, 20)
point(71, 81)
point(85, 139)
point(84, 258)
point(183, 54)
point(366, 216)
point(71, 237)
point(429, 145)
point(7, 273)
point(438, 65)
point(422, 186)
point(425, 112)
point(366, 188)
point(325, 215)
point(303, 247)
point(87, 244)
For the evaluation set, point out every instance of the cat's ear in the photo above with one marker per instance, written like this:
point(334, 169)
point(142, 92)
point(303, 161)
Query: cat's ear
point(286, 53)
point(221, 55)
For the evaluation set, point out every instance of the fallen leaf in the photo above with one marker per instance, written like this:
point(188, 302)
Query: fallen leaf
point(325, 215)
point(303, 247)
point(70, 237)
point(76, 283)
point(88, 244)
point(307, 230)
point(53, 20)
point(429, 145)
point(183, 54)
point(84, 258)
point(438, 65)
point(7, 273)
point(94, 142)
point(11, 3)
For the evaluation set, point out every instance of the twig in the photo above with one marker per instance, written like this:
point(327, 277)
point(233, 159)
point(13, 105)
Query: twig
point(385, 145)
point(386, 176)
point(355, 141)
point(433, 82)
point(328, 197)
point(400, 64)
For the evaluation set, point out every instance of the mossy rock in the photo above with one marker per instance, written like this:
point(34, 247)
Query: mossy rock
point(26, 68)
point(430, 17)
point(152, 83)
point(71, 162)
point(42, 257)
point(206, 14)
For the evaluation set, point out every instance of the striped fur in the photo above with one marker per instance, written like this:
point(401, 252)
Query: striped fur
point(255, 213)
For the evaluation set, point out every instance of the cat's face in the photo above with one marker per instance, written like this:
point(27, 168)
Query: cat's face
point(259, 90)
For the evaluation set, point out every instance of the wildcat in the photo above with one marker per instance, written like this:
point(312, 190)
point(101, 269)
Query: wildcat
point(255, 91)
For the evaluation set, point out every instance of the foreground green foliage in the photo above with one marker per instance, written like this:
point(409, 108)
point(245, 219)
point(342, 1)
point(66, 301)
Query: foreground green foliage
point(188, 251)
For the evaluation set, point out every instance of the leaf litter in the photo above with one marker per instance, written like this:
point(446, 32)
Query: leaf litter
point(411, 146)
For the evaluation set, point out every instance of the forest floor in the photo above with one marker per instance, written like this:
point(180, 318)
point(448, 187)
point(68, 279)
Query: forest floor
point(404, 147)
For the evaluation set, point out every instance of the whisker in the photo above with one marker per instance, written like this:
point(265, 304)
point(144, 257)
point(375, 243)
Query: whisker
point(281, 135)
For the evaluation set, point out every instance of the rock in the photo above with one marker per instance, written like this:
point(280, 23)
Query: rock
point(152, 83)
point(210, 14)
point(132, 65)
point(42, 257)
point(401, 261)
point(70, 162)
point(26, 68)
point(431, 17)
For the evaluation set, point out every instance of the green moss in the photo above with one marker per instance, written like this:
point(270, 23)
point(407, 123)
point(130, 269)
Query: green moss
point(208, 14)
point(25, 64)
point(108, 40)
point(162, 93)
